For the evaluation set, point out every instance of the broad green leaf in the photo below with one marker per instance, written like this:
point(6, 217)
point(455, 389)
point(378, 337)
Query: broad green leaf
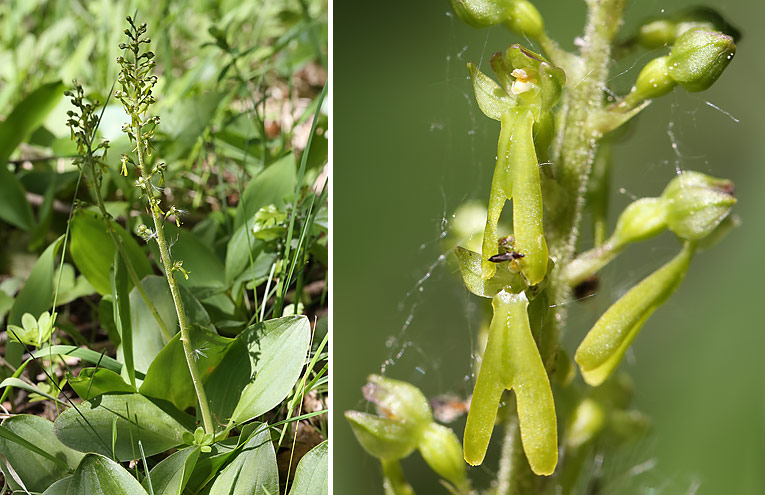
point(312, 474)
point(240, 248)
point(187, 119)
point(92, 382)
point(137, 419)
point(37, 294)
point(71, 287)
point(92, 250)
point(27, 116)
point(36, 471)
point(13, 381)
point(253, 471)
point(170, 476)
point(148, 339)
point(99, 475)
point(271, 186)
point(168, 376)
point(59, 488)
point(259, 369)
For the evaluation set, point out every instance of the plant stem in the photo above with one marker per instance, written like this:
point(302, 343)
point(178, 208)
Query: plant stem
point(580, 143)
point(164, 255)
point(515, 476)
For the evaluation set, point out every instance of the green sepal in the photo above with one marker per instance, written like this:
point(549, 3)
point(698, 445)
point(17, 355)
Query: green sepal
point(697, 203)
point(503, 278)
point(699, 57)
point(491, 98)
point(549, 79)
point(512, 361)
point(605, 344)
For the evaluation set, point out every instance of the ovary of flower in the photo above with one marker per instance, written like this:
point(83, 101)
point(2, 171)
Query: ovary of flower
point(523, 82)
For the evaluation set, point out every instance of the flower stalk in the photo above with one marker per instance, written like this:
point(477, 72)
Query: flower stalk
point(136, 97)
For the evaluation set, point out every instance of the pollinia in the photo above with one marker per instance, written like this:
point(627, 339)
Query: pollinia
point(555, 126)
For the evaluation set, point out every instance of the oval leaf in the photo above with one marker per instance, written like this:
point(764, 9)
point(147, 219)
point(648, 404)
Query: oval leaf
point(259, 369)
point(137, 419)
point(312, 475)
point(253, 471)
point(92, 250)
point(170, 476)
point(36, 471)
point(99, 475)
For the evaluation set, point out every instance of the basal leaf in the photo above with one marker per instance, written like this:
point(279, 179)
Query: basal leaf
point(253, 471)
point(137, 419)
point(259, 369)
point(92, 250)
point(312, 475)
point(37, 472)
point(170, 476)
point(99, 475)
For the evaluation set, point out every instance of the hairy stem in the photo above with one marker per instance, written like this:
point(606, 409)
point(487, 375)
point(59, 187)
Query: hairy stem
point(579, 140)
point(167, 264)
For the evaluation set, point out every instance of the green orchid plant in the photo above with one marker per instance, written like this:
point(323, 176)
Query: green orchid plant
point(556, 123)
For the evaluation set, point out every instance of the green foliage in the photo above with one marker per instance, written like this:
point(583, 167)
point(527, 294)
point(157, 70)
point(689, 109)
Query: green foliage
point(213, 199)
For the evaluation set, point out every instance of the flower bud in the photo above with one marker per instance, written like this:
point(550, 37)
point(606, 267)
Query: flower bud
point(519, 15)
point(398, 400)
point(482, 13)
point(383, 438)
point(661, 32)
point(443, 452)
point(652, 82)
point(641, 220)
point(525, 19)
point(698, 57)
point(696, 204)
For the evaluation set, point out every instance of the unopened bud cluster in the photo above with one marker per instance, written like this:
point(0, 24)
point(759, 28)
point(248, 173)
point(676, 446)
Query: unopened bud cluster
point(82, 124)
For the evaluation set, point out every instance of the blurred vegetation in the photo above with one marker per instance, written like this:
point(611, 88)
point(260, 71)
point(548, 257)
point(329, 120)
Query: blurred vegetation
point(241, 98)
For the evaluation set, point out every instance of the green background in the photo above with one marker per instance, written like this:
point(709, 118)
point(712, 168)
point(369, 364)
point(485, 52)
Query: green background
point(411, 146)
